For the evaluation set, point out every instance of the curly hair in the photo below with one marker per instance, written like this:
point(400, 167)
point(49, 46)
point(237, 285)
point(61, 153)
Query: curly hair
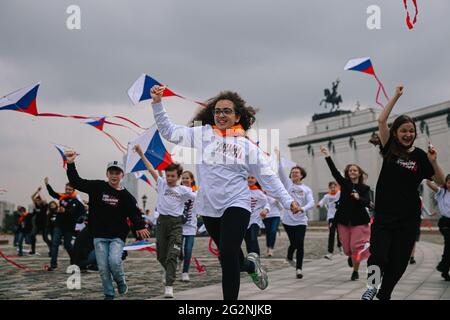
point(247, 113)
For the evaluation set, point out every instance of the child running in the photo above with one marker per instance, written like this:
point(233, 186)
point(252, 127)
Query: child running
point(329, 201)
point(352, 217)
point(189, 225)
point(109, 206)
point(259, 209)
point(295, 225)
point(170, 206)
point(442, 196)
point(397, 201)
point(271, 221)
point(225, 158)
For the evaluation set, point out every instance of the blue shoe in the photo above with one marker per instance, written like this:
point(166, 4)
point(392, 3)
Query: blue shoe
point(123, 288)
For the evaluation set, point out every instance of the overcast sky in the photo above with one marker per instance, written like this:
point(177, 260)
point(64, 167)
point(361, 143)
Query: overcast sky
point(279, 55)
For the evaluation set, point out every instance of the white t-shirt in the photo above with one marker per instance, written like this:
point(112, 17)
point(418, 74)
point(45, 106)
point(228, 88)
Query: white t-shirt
point(258, 203)
point(329, 200)
point(302, 194)
point(275, 208)
point(171, 199)
point(223, 165)
point(190, 226)
point(443, 200)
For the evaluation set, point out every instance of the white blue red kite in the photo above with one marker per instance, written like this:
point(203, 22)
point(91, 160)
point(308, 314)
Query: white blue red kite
point(140, 90)
point(154, 149)
point(61, 149)
point(140, 245)
point(141, 175)
point(22, 100)
point(365, 65)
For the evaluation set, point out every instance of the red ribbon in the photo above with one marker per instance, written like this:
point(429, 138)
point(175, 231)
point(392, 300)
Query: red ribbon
point(15, 263)
point(200, 267)
point(408, 18)
point(214, 251)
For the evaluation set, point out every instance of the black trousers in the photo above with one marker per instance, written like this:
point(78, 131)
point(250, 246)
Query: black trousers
point(444, 228)
point(331, 235)
point(228, 233)
point(390, 250)
point(296, 235)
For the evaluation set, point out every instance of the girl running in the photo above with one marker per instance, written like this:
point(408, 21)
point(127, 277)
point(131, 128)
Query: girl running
point(397, 202)
point(259, 208)
point(225, 159)
point(189, 226)
point(352, 217)
point(329, 201)
point(271, 222)
point(295, 225)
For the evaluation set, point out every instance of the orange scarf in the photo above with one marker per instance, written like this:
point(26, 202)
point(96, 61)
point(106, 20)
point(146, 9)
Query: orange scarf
point(64, 196)
point(234, 131)
point(22, 217)
point(254, 187)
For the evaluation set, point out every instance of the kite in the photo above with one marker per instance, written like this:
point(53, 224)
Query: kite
point(140, 90)
point(24, 100)
point(98, 124)
point(365, 65)
point(155, 151)
point(408, 18)
point(142, 245)
point(62, 149)
point(143, 177)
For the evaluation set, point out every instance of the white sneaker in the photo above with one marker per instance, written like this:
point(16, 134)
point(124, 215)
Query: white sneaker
point(329, 256)
point(185, 277)
point(168, 292)
point(299, 273)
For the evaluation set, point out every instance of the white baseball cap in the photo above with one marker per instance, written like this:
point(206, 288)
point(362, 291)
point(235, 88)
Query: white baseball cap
point(115, 164)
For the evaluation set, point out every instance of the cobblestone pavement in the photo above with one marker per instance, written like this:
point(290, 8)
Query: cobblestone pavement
point(142, 270)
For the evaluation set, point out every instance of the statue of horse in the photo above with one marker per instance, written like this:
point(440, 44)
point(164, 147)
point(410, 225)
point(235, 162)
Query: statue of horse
point(332, 97)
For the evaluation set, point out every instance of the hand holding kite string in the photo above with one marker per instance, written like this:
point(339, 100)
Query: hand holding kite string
point(156, 93)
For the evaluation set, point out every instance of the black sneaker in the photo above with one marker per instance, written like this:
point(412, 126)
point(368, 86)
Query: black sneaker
point(369, 294)
point(412, 260)
point(439, 268)
point(350, 262)
point(355, 276)
point(446, 276)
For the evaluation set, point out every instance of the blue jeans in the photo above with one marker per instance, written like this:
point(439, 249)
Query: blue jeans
point(271, 230)
point(187, 252)
point(20, 237)
point(108, 253)
point(251, 239)
point(58, 233)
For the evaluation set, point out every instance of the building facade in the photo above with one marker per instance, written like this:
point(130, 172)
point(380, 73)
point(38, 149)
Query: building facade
point(346, 134)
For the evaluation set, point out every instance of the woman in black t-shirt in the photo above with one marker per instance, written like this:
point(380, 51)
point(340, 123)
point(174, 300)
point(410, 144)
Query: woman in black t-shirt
point(397, 202)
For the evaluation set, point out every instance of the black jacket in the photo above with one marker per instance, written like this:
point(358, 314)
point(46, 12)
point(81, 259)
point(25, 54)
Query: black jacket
point(350, 212)
point(108, 207)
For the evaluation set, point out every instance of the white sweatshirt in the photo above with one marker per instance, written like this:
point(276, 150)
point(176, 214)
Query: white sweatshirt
point(258, 202)
point(275, 208)
point(443, 200)
point(223, 165)
point(171, 200)
point(302, 194)
point(329, 201)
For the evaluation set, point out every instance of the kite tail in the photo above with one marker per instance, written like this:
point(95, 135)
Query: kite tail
point(380, 88)
point(200, 267)
point(214, 251)
point(408, 18)
point(14, 263)
point(116, 142)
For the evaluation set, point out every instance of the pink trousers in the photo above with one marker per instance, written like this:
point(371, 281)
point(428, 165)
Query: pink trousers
point(355, 241)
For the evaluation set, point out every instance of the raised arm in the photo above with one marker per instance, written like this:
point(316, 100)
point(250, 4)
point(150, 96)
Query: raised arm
point(181, 135)
point(34, 195)
point(384, 115)
point(287, 182)
point(137, 148)
point(334, 171)
point(72, 174)
point(50, 190)
point(439, 176)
